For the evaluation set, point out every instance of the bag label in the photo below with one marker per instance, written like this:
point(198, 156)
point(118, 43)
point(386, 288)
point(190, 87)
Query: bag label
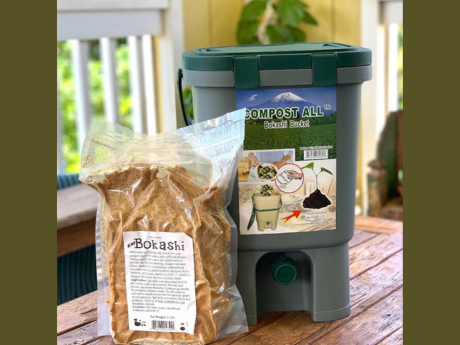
point(287, 174)
point(160, 281)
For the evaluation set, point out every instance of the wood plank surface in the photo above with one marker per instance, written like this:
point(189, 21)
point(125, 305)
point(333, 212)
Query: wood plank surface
point(90, 300)
point(393, 339)
point(377, 224)
point(76, 216)
point(360, 237)
point(85, 334)
point(370, 287)
point(76, 313)
point(372, 326)
point(375, 292)
point(75, 205)
point(264, 320)
point(371, 253)
point(76, 237)
point(366, 290)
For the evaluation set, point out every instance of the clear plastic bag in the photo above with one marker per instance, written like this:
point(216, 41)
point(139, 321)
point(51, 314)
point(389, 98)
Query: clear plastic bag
point(163, 187)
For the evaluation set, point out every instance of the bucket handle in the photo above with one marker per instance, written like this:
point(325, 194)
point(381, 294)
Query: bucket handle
point(188, 120)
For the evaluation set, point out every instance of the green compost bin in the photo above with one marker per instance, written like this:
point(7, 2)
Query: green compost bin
point(302, 105)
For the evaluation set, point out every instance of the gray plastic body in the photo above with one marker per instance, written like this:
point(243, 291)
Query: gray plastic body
point(322, 285)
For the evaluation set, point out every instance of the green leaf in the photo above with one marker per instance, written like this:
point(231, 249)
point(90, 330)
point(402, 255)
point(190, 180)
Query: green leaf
point(297, 34)
point(253, 10)
point(246, 33)
point(309, 166)
point(307, 18)
point(279, 34)
point(325, 170)
point(291, 11)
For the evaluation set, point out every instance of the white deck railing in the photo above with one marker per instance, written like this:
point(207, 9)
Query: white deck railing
point(154, 31)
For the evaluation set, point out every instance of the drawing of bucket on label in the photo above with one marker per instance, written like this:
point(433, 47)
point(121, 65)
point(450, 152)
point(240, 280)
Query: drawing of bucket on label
point(266, 210)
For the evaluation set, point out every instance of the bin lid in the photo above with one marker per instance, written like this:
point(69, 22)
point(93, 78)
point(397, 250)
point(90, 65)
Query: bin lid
point(247, 61)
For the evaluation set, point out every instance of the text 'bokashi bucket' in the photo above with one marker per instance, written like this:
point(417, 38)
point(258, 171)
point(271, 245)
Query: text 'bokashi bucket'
point(302, 105)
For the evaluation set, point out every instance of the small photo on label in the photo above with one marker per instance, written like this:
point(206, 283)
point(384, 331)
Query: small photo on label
point(320, 185)
point(263, 166)
point(290, 178)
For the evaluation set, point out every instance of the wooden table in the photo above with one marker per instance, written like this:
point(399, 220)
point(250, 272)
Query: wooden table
point(376, 298)
point(76, 218)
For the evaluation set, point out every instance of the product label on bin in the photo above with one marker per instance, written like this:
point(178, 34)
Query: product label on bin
point(287, 174)
point(160, 281)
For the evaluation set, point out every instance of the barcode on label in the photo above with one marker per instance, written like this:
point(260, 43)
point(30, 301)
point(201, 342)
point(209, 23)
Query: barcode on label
point(163, 325)
point(315, 154)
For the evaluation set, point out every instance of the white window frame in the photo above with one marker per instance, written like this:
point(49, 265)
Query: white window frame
point(376, 21)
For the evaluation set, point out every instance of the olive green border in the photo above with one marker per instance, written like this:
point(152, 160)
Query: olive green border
point(28, 164)
point(431, 184)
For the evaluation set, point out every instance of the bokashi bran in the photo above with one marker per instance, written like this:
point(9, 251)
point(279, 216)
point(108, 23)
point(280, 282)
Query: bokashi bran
point(141, 197)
